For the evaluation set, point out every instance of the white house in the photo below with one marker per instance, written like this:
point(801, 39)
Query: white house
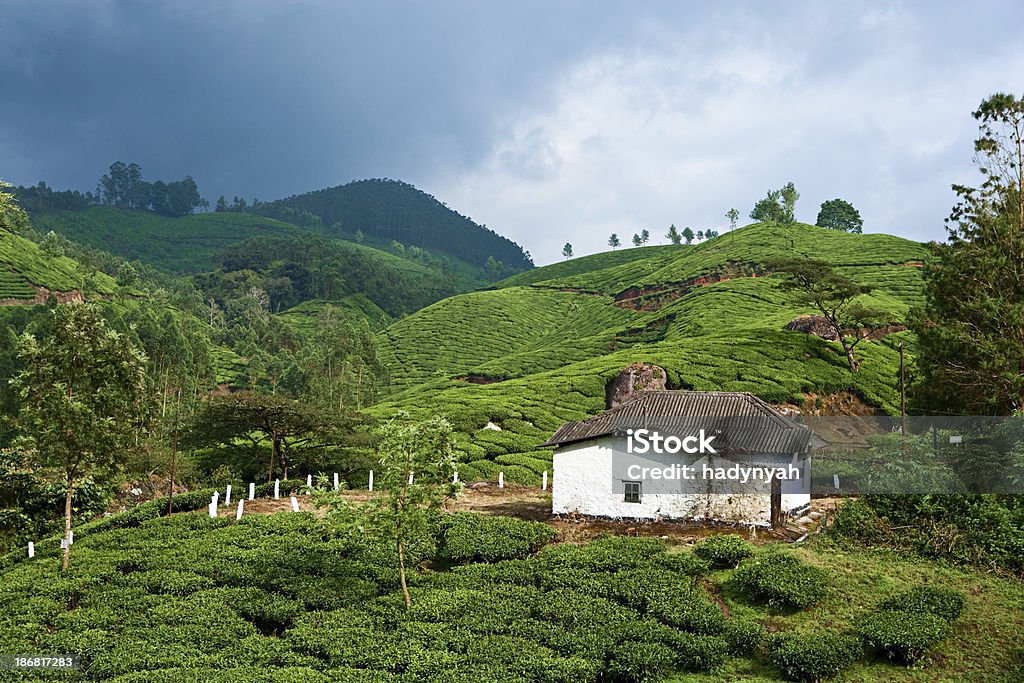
point(747, 463)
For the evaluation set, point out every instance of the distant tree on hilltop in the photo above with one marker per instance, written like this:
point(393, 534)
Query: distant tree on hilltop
point(733, 215)
point(567, 251)
point(673, 234)
point(688, 234)
point(614, 242)
point(645, 236)
point(839, 214)
point(779, 206)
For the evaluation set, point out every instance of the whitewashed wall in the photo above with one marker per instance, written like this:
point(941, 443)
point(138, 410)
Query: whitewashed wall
point(583, 483)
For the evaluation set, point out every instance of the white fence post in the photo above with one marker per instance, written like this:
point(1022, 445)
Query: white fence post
point(455, 477)
point(544, 482)
point(227, 497)
point(213, 509)
point(252, 491)
point(410, 479)
point(335, 481)
point(501, 480)
point(309, 482)
point(295, 504)
point(277, 489)
point(238, 515)
point(31, 549)
point(371, 480)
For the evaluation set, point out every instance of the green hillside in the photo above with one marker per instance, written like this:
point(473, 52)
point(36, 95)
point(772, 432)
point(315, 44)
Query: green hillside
point(531, 357)
point(24, 268)
point(176, 245)
point(587, 264)
point(393, 210)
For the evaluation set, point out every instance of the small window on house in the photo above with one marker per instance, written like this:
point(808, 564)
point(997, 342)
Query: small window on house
point(632, 492)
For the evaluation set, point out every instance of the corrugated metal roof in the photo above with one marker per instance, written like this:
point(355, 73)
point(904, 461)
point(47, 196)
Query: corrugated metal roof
point(743, 422)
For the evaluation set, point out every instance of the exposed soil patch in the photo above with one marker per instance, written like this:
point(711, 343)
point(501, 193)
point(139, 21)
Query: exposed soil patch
point(653, 297)
point(480, 379)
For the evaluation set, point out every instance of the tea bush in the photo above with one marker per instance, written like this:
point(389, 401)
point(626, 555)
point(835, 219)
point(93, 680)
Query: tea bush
point(639, 662)
point(815, 656)
point(468, 537)
point(782, 581)
point(744, 637)
point(945, 603)
point(903, 636)
point(726, 550)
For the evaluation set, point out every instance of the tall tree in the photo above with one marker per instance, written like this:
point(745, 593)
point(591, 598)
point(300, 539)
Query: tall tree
point(839, 214)
point(733, 215)
point(645, 236)
point(789, 197)
point(835, 297)
point(971, 327)
point(614, 242)
point(83, 397)
point(413, 480)
point(567, 251)
point(673, 234)
point(245, 415)
point(12, 217)
point(637, 240)
point(688, 234)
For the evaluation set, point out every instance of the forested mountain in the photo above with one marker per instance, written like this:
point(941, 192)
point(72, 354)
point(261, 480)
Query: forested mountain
point(393, 210)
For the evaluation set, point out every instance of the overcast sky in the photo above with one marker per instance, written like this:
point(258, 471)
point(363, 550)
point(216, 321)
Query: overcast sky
point(548, 121)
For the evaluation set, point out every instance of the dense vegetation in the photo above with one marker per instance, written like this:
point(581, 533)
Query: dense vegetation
point(393, 210)
point(289, 597)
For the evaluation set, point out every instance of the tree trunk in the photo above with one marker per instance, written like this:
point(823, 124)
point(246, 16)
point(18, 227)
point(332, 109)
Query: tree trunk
point(67, 527)
point(854, 365)
point(401, 575)
point(776, 503)
point(273, 454)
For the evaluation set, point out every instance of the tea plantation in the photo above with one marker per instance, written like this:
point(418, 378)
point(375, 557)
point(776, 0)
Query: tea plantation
point(286, 597)
point(541, 348)
point(25, 267)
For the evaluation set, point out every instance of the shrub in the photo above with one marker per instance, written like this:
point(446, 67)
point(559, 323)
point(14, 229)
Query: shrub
point(637, 662)
point(945, 603)
point(903, 636)
point(697, 653)
point(857, 521)
point(686, 607)
point(782, 581)
point(467, 537)
point(744, 637)
point(726, 550)
point(682, 563)
point(814, 657)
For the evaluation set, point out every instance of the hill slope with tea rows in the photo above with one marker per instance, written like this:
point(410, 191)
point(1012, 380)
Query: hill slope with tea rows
point(541, 347)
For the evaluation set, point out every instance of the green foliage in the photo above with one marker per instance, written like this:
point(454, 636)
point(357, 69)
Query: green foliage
point(639, 662)
point(814, 657)
point(971, 363)
point(944, 603)
point(839, 214)
point(392, 210)
point(726, 550)
point(782, 581)
point(468, 537)
point(903, 636)
point(744, 637)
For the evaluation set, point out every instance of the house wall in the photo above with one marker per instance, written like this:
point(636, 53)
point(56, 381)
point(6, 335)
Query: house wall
point(585, 483)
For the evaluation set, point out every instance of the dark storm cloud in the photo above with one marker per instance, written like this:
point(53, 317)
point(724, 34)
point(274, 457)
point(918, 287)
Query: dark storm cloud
point(549, 121)
point(269, 98)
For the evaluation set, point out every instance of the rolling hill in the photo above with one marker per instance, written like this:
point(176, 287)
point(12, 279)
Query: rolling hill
point(27, 273)
point(393, 210)
point(533, 353)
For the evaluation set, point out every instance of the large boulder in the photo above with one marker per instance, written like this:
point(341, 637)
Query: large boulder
point(632, 380)
point(813, 324)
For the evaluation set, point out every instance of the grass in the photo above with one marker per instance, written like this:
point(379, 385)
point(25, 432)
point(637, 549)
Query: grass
point(983, 645)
